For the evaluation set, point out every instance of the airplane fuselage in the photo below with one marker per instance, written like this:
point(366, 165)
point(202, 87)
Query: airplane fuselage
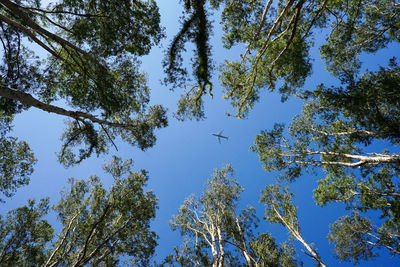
point(220, 136)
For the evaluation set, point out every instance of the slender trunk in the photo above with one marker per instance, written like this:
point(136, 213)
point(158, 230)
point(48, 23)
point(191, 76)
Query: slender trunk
point(214, 250)
point(221, 248)
point(310, 250)
point(250, 260)
point(360, 160)
point(62, 241)
point(297, 235)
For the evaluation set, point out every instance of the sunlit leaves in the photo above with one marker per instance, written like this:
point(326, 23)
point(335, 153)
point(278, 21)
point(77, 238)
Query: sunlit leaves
point(356, 238)
point(99, 225)
point(24, 234)
point(16, 164)
point(92, 66)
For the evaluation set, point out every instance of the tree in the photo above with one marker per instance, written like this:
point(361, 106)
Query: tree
point(99, 226)
point(196, 28)
point(16, 164)
point(212, 222)
point(279, 208)
point(355, 237)
point(92, 65)
point(24, 235)
point(338, 132)
point(277, 40)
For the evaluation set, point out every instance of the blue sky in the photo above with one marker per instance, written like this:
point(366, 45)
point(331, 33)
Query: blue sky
point(186, 153)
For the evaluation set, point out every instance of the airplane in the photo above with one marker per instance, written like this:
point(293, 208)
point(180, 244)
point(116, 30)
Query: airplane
point(220, 136)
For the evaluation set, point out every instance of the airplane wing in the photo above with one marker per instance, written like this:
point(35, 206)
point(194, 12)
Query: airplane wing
point(219, 139)
point(220, 132)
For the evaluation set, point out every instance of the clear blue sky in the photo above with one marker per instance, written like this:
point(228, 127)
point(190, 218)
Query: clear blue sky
point(186, 154)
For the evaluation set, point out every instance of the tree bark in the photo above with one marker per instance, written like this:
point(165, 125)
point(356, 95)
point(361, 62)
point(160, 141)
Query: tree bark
point(29, 100)
point(360, 159)
point(249, 259)
point(298, 236)
point(214, 250)
point(221, 248)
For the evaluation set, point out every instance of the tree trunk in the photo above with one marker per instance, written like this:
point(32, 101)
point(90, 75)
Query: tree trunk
point(29, 100)
point(298, 236)
point(214, 250)
point(250, 261)
point(221, 248)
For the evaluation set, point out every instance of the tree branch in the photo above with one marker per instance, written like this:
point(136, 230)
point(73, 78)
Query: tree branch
point(62, 241)
point(298, 236)
point(29, 100)
point(82, 254)
point(15, 10)
point(263, 17)
point(30, 34)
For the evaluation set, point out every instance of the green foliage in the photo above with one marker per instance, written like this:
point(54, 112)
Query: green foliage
point(16, 165)
point(98, 226)
point(214, 222)
point(357, 27)
point(370, 102)
point(278, 38)
point(356, 238)
point(335, 133)
point(110, 28)
point(196, 28)
point(189, 254)
point(279, 207)
point(273, 254)
point(216, 205)
point(24, 235)
point(92, 65)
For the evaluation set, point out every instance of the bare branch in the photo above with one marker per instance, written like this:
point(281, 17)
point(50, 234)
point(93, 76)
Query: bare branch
point(29, 100)
point(62, 241)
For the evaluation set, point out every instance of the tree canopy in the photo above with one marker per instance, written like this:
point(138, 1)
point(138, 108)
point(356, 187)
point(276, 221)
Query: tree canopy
point(83, 55)
point(277, 40)
point(334, 133)
point(99, 226)
point(213, 223)
point(82, 60)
